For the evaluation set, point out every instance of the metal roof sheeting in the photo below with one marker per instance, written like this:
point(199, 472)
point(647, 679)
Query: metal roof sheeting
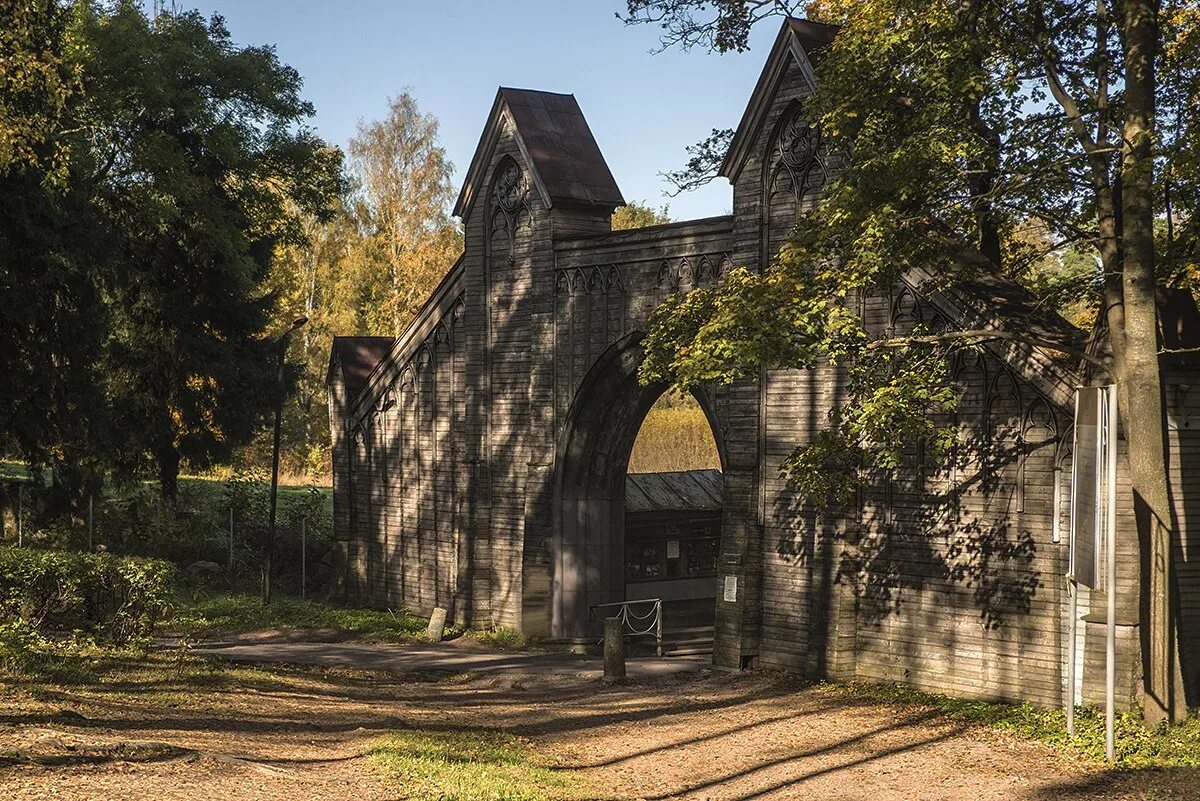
point(358, 357)
point(686, 491)
point(562, 148)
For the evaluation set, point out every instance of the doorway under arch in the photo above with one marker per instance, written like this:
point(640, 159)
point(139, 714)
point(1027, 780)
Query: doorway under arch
point(588, 538)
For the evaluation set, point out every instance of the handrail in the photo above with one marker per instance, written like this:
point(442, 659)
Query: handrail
point(628, 618)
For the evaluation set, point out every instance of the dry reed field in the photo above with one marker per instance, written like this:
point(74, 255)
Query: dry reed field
point(674, 436)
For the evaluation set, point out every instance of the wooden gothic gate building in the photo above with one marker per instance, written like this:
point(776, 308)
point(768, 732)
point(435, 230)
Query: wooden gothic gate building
point(480, 456)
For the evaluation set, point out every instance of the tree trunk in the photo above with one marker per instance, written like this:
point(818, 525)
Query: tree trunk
point(1138, 375)
point(167, 457)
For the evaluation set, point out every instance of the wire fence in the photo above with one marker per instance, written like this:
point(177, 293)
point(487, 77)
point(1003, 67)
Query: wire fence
point(215, 531)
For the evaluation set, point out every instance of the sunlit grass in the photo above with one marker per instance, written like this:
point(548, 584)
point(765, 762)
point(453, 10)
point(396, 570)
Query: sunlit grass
point(1136, 745)
point(672, 439)
point(470, 765)
point(239, 613)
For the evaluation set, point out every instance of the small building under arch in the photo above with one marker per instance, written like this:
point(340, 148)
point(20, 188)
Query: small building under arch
point(673, 544)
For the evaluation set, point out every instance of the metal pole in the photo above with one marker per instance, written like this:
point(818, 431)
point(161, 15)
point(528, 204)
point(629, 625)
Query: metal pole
point(20, 515)
point(229, 571)
point(658, 625)
point(1072, 589)
point(299, 321)
point(91, 537)
point(1110, 510)
point(303, 562)
point(274, 488)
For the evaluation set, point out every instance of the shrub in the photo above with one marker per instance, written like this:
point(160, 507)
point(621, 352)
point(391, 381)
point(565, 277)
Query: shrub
point(118, 599)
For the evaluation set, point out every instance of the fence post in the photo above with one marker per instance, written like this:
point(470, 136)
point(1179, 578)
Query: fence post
point(303, 559)
point(614, 650)
point(20, 515)
point(91, 535)
point(229, 569)
point(658, 626)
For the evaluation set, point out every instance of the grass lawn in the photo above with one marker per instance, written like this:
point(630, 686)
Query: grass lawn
point(1137, 746)
point(240, 613)
point(471, 765)
point(224, 615)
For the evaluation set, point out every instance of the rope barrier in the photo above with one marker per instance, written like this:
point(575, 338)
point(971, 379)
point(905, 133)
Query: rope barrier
point(627, 616)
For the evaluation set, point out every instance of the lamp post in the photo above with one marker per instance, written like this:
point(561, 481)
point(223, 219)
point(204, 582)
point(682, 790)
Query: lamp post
point(299, 321)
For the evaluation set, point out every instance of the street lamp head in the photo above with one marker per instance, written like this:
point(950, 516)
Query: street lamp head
point(299, 321)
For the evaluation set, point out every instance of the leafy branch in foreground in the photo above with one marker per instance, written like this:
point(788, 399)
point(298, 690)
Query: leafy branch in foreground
point(721, 26)
point(705, 159)
point(962, 123)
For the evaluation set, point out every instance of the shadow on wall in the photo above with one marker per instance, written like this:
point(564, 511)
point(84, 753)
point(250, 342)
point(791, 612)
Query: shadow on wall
point(1185, 440)
point(959, 525)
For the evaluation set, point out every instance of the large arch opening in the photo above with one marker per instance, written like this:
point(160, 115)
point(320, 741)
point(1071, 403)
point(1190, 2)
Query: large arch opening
point(674, 492)
point(588, 544)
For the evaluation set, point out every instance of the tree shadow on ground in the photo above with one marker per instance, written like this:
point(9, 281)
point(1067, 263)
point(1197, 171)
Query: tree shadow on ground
point(1182, 784)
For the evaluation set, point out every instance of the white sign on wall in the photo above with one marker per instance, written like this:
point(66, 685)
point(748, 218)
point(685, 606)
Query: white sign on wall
point(730, 595)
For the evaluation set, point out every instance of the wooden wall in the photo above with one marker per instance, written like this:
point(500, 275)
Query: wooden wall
point(449, 467)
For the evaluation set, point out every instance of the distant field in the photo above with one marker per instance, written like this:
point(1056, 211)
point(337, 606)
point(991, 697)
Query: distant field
point(676, 438)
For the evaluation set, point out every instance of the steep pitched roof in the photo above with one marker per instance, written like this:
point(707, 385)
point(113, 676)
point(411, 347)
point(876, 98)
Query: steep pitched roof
point(799, 42)
point(556, 142)
point(358, 356)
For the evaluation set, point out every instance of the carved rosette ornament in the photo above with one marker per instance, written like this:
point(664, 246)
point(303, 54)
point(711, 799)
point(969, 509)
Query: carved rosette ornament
point(799, 155)
point(509, 198)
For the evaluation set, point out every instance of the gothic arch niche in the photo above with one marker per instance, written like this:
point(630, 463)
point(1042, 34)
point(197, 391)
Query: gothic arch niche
point(588, 540)
point(794, 169)
point(509, 209)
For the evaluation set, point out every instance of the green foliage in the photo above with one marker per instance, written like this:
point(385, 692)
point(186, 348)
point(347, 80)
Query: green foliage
point(136, 266)
point(119, 599)
point(723, 26)
point(503, 638)
point(469, 765)
point(945, 154)
point(35, 85)
point(639, 215)
point(235, 614)
point(205, 170)
point(1138, 746)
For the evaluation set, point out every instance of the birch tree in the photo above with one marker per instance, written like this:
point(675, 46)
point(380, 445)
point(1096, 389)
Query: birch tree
point(404, 204)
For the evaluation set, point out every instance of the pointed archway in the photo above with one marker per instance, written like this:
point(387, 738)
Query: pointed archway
point(588, 539)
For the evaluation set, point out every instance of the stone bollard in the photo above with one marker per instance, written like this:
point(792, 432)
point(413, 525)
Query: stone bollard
point(614, 651)
point(437, 624)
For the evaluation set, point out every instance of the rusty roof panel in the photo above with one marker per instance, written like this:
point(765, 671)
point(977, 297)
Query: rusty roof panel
point(560, 144)
point(358, 357)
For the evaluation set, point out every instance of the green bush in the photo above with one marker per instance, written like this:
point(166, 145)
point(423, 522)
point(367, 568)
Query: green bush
point(118, 599)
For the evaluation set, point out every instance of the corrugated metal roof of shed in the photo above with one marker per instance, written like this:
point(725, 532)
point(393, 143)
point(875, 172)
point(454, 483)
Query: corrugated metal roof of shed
point(685, 491)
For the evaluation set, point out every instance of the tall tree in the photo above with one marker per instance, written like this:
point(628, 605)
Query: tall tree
point(52, 319)
point(332, 278)
point(959, 123)
point(403, 202)
point(197, 158)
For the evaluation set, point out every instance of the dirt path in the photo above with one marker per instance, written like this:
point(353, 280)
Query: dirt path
point(291, 734)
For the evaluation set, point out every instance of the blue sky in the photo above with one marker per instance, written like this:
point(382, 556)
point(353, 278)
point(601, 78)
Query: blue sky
point(643, 109)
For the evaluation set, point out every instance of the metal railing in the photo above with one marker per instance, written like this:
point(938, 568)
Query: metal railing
point(636, 625)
